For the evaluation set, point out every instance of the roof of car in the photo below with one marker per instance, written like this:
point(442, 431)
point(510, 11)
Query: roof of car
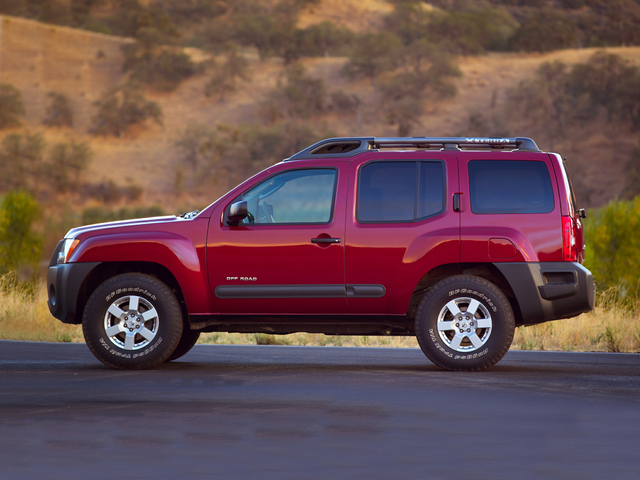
point(349, 146)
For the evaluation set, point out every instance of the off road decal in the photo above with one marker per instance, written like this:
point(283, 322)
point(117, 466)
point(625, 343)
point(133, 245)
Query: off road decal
point(115, 352)
point(132, 290)
point(148, 349)
point(437, 344)
point(477, 294)
point(470, 356)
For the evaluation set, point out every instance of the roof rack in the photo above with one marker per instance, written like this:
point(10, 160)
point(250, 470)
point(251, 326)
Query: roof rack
point(350, 146)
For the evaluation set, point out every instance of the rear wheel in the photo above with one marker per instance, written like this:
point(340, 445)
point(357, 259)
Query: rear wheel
point(465, 323)
point(132, 321)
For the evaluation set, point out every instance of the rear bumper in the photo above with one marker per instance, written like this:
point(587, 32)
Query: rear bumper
point(64, 284)
point(549, 290)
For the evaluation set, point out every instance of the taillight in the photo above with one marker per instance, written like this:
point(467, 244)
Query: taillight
point(569, 247)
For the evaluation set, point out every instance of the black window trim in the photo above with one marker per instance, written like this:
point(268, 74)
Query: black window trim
point(299, 168)
point(416, 199)
point(553, 199)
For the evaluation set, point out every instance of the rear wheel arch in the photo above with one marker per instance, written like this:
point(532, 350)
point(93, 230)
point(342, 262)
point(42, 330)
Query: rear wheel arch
point(488, 271)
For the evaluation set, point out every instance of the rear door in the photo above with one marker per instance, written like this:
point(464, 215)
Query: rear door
point(400, 225)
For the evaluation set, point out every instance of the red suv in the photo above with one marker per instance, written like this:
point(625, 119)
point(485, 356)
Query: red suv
point(454, 240)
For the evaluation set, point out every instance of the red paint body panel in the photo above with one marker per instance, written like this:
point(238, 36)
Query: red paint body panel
point(176, 244)
point(397, 255)
point(537, 237)
point(279, 254)
point(203, 253)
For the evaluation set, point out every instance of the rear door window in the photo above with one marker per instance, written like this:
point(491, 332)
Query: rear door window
point(499, 186)
point(398, 191)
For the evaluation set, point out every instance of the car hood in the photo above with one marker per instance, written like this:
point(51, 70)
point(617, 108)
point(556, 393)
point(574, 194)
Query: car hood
point(74, 232)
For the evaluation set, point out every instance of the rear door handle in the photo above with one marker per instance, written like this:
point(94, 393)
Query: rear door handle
point(456, 202)
point(325, 240)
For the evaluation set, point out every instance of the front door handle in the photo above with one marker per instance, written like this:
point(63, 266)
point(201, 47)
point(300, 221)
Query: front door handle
point(325, 240)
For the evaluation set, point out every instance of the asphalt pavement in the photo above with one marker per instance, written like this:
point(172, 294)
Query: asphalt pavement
point(282, 412)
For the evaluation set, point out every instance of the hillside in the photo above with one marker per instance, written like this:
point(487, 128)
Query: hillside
point(40, 58)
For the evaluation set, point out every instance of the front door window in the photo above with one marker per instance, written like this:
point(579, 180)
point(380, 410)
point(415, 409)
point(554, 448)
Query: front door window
point(293, 197)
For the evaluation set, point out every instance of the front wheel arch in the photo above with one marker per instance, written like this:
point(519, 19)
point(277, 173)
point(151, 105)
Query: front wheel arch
point(132, 321)
point(107, 270)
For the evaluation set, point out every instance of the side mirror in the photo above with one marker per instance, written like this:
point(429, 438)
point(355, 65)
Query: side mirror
point(582, 213)
point(237, 212)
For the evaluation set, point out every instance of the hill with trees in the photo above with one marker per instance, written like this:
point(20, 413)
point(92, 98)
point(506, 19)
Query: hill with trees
point(111, 107)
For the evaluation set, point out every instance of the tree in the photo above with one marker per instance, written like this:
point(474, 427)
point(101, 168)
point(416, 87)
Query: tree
point(632, 176)
point(470, 33)
point(20, 247)
point(121, 107)
point(67, 162)
point(422, 71)
point(370, 55)
point(59, 111)
point(325, 39)
point(301, 96)
point(409, 21)
point(544, 31)
point(21, 161)
point(610, 82)
point(224, 80)
point(11, 107)
point(612, 234)
point(348, 102)
point(195, 145)
point(161, 67)
point(543, 99)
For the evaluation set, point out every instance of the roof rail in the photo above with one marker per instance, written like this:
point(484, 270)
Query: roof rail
point(350, 146)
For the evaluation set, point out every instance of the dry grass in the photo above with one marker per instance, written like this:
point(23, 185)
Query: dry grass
point(611, 327)
point(24, 315)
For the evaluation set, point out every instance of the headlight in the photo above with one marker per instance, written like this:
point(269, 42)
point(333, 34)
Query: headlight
point(67, 249)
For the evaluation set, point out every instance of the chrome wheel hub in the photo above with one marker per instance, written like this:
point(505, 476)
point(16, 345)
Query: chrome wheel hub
point(131, 322)
point(464, 324)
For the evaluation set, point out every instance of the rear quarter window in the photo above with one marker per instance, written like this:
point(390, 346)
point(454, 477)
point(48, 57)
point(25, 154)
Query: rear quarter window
point(499, 186)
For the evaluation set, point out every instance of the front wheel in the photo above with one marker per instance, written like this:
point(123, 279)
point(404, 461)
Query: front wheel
point(465, 323)
point(132, 321)
point(187, 341)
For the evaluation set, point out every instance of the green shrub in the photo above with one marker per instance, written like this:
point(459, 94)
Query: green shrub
point(370, 55)
point(612, 235)
point(11, 106)
point(20, 247)
point(22, 161)
point(67, 162)
point(544, 31)
point(302, 96)
point(225, 77)
point(163, 68)
point(122, 107)
point(59, 111)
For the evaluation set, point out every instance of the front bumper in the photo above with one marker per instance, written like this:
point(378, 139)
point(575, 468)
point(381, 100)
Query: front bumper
point(65, 283)
point(549, 290)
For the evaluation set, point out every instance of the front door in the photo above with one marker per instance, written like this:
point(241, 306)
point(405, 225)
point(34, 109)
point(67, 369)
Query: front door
point(287, 256)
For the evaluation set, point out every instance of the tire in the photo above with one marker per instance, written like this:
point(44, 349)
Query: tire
point(456, 341)
point(132, 322)
point(186, 343)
